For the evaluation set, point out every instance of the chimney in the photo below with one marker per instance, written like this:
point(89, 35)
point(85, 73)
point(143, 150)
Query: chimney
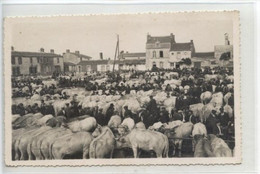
point(172, 37)
point(52, 50)
point(77, 52)
point(12, 48)
point(148, 36)
point(191, 41)
point(41, 50)
point(67, 51)
point(109, 58)
point(101, 55)
point(226, 39)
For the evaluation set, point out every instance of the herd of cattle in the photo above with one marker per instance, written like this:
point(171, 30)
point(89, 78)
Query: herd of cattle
point(39, 137)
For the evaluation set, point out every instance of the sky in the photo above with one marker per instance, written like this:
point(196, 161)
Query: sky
point(98, 33)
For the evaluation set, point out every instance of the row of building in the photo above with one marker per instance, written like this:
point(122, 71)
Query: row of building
point(161, 52)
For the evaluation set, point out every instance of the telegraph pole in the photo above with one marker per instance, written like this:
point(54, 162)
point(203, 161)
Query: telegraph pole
point(116, 52)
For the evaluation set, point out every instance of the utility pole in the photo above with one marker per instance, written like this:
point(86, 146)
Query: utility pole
point(116, 52)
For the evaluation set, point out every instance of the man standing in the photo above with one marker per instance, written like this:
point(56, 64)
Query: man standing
point(152, 108)
point(109, 113)
point(224, 120)
point(211, 123)
point(164, 116)
point(128, 113)
point(100, 117)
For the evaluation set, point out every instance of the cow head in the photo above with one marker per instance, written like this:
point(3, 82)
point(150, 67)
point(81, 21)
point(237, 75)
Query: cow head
point(122, 142)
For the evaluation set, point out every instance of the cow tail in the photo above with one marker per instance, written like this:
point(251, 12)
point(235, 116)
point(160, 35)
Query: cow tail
point(92, 149)
point(166, 148)
point(29, 150)
point(50, 150)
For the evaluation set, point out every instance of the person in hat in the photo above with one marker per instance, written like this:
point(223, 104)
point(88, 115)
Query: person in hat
point(128, 113)
point(211, 123)
point(164, 115)
point(100, 117)
point(109, 113)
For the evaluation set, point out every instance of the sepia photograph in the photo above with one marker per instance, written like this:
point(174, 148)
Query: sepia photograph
point(122, 89)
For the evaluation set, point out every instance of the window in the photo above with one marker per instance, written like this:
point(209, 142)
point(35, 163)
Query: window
point(102, 68)
point(15, 71)
point(161, 53)
point(154, 64)
point(108, 67)
point(13, 60)
point(47, 59)
point(161, 64)
point(33, 70)
point(154, 54)
point(58, 60)
point(178, 54)
point(172, 64)
point(20, 60)
point(38, 60)
point(172, 53)
point(31, 60)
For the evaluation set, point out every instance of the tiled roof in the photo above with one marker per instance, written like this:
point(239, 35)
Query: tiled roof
point(161, 39)
point(69, 64)
point(204, 54)
point(93, 62)
point(81, 55)
point(34, 54)
point(181, 46)
point(126, 55)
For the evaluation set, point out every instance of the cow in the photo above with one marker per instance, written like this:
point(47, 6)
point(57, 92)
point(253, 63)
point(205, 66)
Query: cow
point(114, 122)
point(198, 129)
point(37, 148)
point(145, 140)
point(129, 123)
point(140, 125)
point(103, 145)
point(202, 146)
point(219, 147)
point(88, 125)
point(76, 144)
point(177, 134)
point(205, 97)
point(23, 141)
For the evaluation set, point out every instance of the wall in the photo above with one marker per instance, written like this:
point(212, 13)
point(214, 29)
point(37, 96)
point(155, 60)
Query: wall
point(59, 61)
point(183, 54)
point(150, 59)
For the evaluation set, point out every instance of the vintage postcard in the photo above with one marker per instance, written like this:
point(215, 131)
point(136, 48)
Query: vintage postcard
point(123, 89)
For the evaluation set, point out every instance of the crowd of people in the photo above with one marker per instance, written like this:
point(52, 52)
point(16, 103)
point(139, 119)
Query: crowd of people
point(152, 112)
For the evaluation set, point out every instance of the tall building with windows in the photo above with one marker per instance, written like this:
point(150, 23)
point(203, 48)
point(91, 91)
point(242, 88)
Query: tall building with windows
point(164, 52)
point(35, 63)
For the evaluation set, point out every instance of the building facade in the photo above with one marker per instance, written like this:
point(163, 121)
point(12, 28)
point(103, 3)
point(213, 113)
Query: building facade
point(71, 59)
point(132, 61)
point(164, 52)
point(36, 63)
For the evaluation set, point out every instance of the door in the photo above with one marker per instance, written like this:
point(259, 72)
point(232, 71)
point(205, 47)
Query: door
point(197, 64)
point(57, 68)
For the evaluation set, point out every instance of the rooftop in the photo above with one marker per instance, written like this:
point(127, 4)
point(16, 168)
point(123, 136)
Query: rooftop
point(204, 54)
point(34, 54)
point(161, 39)
point(93, 62)
point(181, 46)
point(81, 55)
point(126, 55)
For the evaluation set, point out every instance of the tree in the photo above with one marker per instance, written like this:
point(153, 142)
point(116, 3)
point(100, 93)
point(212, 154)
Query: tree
point(186, 61)
point(225, 56)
